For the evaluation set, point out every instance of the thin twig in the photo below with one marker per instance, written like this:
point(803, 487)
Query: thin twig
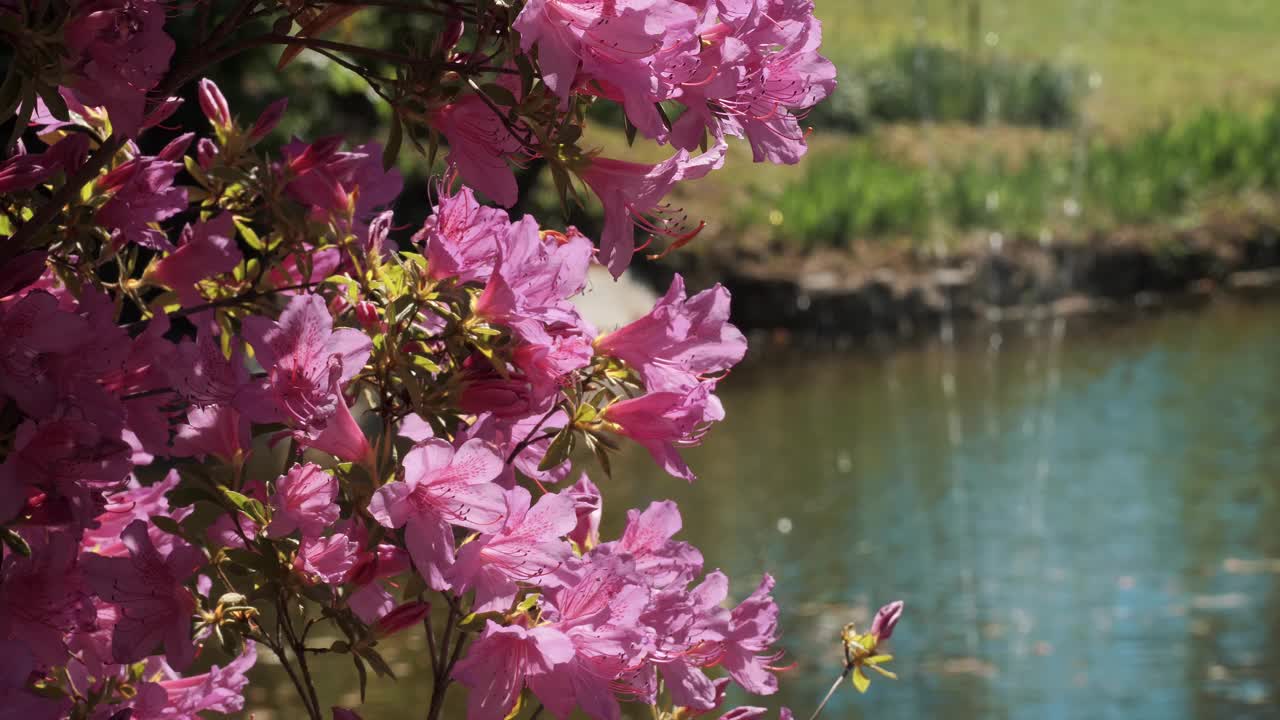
point(848, 668)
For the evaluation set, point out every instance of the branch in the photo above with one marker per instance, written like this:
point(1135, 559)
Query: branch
point(70, 189)
point(848, 667)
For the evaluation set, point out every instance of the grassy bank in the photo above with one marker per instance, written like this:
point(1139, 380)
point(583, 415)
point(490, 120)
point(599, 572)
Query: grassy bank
point(1160, 175)
point(1150, 58)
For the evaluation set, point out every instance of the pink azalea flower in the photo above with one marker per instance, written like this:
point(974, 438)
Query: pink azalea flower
point(147, 588)
point(341, 184)
point(305, 500)
point(599, 613)
point(535, 275)
point(137, 502)
point(27, 170)
point(547, 358)
point(142, 193)
point(608, 41)
point(442, 487)
point(208, 248)
point(647, 538)
point(502, 659)
point(663, 421)
point(307, 363)
point(528, 548)
point(220, 690)
point(632, 194)
point(753, 628)
point(60, 469)
point(42, 598)
point(118, 52)
point(756, 71)
point(460, 239)
point(36, 330)
point(217, 430)
point(681, 342)
point(479, 145)
point(328, 560)
point(688, 627)
point(202, 375)
point(508, 434)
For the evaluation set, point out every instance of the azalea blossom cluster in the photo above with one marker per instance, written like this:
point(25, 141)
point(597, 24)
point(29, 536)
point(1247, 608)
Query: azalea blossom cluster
point(236, 416)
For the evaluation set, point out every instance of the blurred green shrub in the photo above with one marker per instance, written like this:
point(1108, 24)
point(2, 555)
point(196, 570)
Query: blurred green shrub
point(1156, 176)
point(914, 83)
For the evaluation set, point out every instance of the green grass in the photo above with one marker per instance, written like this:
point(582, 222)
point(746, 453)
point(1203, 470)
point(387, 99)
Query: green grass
point(1159, 175)
point(1154, 58)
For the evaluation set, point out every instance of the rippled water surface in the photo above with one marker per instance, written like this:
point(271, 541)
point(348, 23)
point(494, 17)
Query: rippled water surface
point(1083, 519)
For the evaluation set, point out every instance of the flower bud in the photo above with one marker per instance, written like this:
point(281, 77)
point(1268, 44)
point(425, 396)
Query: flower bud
point(452, 34)
point(405, 616)
point(176, 148)
point(214, 104)
point(340, 713)
point(268, 120)
point(206, 152)
point(367, 316)
point(886, 619)
point(162, 112)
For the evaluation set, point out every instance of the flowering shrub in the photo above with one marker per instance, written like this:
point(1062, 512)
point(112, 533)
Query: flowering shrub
point(428, 410)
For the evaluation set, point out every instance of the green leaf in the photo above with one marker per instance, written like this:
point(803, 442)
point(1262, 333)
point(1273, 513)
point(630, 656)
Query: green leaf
point(53, 100)
point(395, 138)
point(559, 451)
point(380, 666)
point(499, 95)
point(602, 457)
point(475, 621)
point(195, 171)
point(15, 542)
point(246, 232)
point(167, 524)
point(630, 131)
point(247, 505)
point(186, 495)
point(10, 91)
point(364, 675)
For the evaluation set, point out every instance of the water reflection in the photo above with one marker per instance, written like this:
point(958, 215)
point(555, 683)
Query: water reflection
point(1080, 518)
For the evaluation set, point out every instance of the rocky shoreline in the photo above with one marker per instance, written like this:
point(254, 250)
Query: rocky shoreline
point(901, 295)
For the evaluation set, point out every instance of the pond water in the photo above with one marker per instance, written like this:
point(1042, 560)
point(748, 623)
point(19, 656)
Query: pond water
point(1083, 519)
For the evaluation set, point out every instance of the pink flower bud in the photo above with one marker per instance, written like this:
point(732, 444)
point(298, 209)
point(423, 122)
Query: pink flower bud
point(367, 316)
point(214, 104)
point(886, 619)
point(206, 151)
point(162, 112)
point(344, 714)
point(338, 305)
point(452, 34)
point(405, 616)
point(268, 120)
point(176, 148)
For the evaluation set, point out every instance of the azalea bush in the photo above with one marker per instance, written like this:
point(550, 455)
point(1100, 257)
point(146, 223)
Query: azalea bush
point(432, 416)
